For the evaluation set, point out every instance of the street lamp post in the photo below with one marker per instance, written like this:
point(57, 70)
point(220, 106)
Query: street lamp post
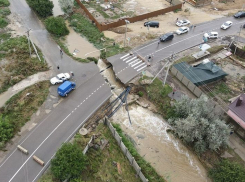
point(126, 22)
point(28, 37)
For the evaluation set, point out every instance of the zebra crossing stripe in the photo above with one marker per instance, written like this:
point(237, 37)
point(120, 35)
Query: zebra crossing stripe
point(139, 65)
point(124, 56)
point(142, 68)
point(127, 58)
point(131, 59)
point(133, 62)
point(136, 63)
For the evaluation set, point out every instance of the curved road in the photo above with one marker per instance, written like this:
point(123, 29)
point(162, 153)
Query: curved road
point(126, 66)
point(70, 114)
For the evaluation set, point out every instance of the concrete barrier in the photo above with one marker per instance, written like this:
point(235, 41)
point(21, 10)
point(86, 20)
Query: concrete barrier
point(39, 161)
point(22, 149)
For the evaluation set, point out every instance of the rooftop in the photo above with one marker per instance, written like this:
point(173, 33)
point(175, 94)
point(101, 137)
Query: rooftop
point(239, 108)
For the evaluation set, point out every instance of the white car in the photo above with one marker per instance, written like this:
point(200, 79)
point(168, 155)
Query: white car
point(181, 23)
point(226, 25)
point(60, 78)
point(211, 35)
point(182, 30)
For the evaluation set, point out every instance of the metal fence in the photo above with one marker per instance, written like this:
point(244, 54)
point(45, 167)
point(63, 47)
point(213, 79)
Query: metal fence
point(103, 27)
point(125, 151)
point(193, 88)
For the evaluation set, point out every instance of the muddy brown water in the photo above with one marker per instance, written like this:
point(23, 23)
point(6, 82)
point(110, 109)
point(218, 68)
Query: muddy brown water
point(167, 154)
point(80, 45)
point(57, 10)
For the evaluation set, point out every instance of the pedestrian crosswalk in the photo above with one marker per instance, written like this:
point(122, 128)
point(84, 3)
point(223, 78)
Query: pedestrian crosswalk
point(134, 62)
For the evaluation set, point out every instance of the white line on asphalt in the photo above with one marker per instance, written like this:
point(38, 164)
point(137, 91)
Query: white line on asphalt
point(38, 147)
point(124, 56)
point(142, 68)
point(136, 63)
point(69, 137)
point(139, 65)
point(133, 62)
point(131, 59)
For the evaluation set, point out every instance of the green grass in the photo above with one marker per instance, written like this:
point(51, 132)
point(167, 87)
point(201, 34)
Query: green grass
point(4, 3)
point(158, 94)
point(4, 11)
point(19, 64)
point(4, 36)
point(187, 59)
point(19, 109)
point(215, 49)
point(223, 91)
point(100, 166)
point(146, 168)
point(93, 35)
point(3, 22)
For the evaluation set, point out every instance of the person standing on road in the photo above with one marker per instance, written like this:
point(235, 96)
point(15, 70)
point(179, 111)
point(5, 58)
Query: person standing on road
point(61, 52)
point(177, 19)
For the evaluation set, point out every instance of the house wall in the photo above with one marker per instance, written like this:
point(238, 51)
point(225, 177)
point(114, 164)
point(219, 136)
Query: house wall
point(236, 118)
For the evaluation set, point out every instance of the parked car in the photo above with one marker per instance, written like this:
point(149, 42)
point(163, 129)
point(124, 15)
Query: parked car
point(151, 24)
point(182, 30)
point(166, 37)
point(211, 35)
point(226, 25)
point(65, 88)
point(239, 14)
point(60, 78)
point(181, 23)
point(244, 26)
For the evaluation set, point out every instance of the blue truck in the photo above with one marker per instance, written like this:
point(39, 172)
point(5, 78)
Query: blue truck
point(65, 88)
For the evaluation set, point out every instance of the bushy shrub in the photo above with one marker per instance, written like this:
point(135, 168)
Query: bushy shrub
point(226, 171)
point(197, 124)
point(56, 26)
point(4, 3)
point(140, 94)
point(5, 11)
point(69, 161)
point(43, 8)
point(3, 22)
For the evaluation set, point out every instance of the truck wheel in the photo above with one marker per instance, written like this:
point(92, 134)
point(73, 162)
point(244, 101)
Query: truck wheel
point(66, 95)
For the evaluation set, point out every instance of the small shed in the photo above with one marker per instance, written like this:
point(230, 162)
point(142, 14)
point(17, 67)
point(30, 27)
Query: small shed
point(203, 73)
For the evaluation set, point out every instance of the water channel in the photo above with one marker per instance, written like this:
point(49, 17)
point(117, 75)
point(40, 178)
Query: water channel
point(165, 152)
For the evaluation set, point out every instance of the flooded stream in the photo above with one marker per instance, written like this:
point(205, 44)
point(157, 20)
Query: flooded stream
point(166, 153)
point(79, 45)
point(57, 10)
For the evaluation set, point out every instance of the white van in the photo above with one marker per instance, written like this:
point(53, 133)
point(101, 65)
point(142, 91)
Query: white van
point(211, 35)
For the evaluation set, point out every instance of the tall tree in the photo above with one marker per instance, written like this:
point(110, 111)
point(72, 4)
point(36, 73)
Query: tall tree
point(43, 8)
point(68, 162)
point(196, 123)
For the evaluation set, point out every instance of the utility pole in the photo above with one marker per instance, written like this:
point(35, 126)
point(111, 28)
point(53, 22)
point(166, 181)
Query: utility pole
point(126, 22)
point(28, 37)
point(159, 71)
point(170, 60)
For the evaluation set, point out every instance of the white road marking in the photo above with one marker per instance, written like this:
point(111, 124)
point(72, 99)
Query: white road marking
point(124, 56)
point(136, 63)
point(133, 62)
point(142, 68)
point(139, 65)
point(131, 59)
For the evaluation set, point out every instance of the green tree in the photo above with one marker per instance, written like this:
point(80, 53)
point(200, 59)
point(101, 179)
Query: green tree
point(68, 162)
point(196, 123)
point(6, 130)
point(226, 171)
point(43, 8)
point(56, 26)
point(4, 3)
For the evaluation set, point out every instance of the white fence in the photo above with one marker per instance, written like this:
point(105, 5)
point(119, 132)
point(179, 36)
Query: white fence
point(125, 151)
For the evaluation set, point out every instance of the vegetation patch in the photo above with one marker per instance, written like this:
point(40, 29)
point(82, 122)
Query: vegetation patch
point(19, 109)
point(16, 63)
point(215, 49)
point(158, 94)
point(146, 168)
point(227, 171)
point(187, 59)
point(3, 22)
point(93, 35)
point(4, 3)
point(44, 8)
point(56, 26)
point(100, 165)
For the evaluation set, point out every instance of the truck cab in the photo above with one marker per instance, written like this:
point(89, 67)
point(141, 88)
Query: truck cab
point(65, 88)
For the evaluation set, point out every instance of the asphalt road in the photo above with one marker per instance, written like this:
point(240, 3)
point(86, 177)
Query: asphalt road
point(71, 113)
point(125, 70)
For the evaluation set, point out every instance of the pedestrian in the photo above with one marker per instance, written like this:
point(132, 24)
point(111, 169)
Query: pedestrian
point(183, 4)
point(158, 42)
point(194, 26)
point(149, 58)
point(174, 90)
point(58, 67)
point(61, 52)
point(72, 74)
point(177, 19)
point(114, 43)
point(191, 27)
